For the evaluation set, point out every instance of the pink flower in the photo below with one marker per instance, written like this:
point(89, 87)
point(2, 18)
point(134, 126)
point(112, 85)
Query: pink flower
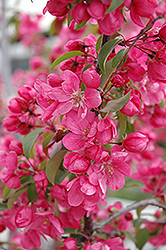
point(56, 8)
point(82, 131)
point(113, 168)
point(96, 9)
point(157, 67)
point(91, 78)
point(41, 180)
point(76, 163)
point(83, 192)
point(135, 142)
point(79, 12)
point(162, 33)
point(111, 22)
point(117, 81)
point(8, 174)
point(47, 223)
point(23, 216)
point(106, 130)
point(141, 8)
point(31, 239)
point(132, 107)
point(69, 244)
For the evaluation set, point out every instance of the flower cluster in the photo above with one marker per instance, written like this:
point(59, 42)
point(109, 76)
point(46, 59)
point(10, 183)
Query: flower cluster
point(90, 126)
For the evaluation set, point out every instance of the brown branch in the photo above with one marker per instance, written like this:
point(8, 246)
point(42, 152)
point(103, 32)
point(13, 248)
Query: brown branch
point(133, 206)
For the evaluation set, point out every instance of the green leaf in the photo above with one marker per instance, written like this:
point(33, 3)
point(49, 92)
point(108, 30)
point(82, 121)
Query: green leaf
point(27, 179)
point(139, 210)
point(53, 165)
point(31, 192)
point(129, 236)
point(15, 196)
point(105, 51)
point(162, 104)
point(114, 5)
point(3, 206)
point(29, 141)
point(108, 71)
point(46, 140)
point(79, 26)
point(66, 56)
point(69, 18)
point(142, 237)
point(6, 192)
point(118, 58)
point(61, 176)
point(123, 123)
point(98, 43)
point(86, 67)
point(116, 105)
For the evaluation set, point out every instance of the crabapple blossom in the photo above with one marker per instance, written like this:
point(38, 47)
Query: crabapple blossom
point(91, 78)
point(135, 142)
point(23, 217)
point(56, 178)
point(8, 173)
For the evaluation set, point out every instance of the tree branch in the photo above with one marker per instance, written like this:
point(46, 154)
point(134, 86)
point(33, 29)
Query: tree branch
point(141, 33)
point(133, 206)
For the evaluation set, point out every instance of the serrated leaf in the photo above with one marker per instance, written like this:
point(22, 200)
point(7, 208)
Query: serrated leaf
point(27, 179)
point(79, 26)
point(105, 51)
point(3, 206)
point(98, 43)
point(31, 192)
point(29, 141)
point(15, 196)
point(108, 70)
point(66, 56)
point(53, 165)
point(142, 237)
point(118, 58)
point(116, 105)
point(114, 5)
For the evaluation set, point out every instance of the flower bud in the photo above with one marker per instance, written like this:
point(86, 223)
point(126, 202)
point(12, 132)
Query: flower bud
point(117, 81)
point(135, 142)
point(91, 78)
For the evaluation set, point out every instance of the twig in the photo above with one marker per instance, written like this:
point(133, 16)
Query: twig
point(141, 33)
point(150, 201)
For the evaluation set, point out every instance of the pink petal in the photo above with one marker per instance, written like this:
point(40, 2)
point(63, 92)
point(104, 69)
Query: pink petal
point(92, 98)
point(73, 142)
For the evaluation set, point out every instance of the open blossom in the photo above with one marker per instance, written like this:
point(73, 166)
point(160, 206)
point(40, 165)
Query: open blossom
point(83, 192)
point(141, 8)
point(31, 239)
point(67, 97)
point(87, 131)
point(113, 168)
point(8, 173)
